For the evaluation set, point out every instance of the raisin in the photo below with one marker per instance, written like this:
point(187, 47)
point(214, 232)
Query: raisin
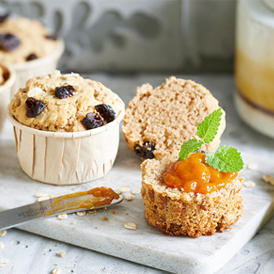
point(92, 120)
point(106, 112)
point(64, 92)
point(9, 42)
point(197, 150)
point(53, 36)
point(34, 107)
point(31, 57)
point(3, 17)
point(145, 151)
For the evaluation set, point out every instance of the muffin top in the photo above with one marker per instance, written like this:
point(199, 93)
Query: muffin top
point(65, 103)
point(24, 40)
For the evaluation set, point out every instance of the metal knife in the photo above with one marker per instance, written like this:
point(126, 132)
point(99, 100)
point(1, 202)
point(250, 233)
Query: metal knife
point(70, 203)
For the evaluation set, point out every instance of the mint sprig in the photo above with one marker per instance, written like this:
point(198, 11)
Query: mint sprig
point(208, 128)
point(188, 147)
point(225, 158)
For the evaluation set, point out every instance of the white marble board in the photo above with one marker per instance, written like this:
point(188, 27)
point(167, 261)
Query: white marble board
point(145, 245)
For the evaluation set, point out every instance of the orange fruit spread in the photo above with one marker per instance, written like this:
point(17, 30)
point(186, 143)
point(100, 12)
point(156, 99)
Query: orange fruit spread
point(194, 175)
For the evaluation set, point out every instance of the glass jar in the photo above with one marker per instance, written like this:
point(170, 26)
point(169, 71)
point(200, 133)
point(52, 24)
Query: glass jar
point(254, 64)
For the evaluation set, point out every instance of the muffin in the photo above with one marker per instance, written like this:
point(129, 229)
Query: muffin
point(7, 79)
point(66, 128)
point(174, 211)
point(29, 47)
point(157, 121)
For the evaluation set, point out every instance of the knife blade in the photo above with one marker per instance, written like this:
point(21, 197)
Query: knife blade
point(69, 203)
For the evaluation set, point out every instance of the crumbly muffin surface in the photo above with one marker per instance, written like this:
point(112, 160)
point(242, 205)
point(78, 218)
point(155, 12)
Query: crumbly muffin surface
point(32, 35)
point(62, 115)
point(176, 212)
point(168, 115)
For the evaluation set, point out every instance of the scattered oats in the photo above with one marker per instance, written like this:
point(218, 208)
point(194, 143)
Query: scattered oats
point(96, 227)
point(56, 270)
point(130, 226)
point(91, 211)
point(34, 91)
point(129, 197)
point(124, 189)
point(94, 214)
point(40, 199)
point(62, 254)
point(269, 179)
point(135, 191)
point(3, 233)
point(249, 184)
point(105, 219)
point(113, 212)
point(4, 261)
point(62, 216)
point(90, 218)
point(42, 194)
point(73, 223)
point(1, 245)
point(81, 213)
point(252, 166)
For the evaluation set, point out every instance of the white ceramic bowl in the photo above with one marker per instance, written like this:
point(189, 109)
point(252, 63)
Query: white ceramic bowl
point(67, 158)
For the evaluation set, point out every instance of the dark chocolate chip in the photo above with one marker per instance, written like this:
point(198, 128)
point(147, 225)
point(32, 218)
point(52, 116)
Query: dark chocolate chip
point(34, 107)
point(106, 112)
point(64, 92)
point(52, 36)
point(3, 17)
point(92, 120)
point(9, 42)
point(145, 151)
point(31, 57)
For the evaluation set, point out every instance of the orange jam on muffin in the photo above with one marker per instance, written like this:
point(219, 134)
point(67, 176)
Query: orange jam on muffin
point(194, 175)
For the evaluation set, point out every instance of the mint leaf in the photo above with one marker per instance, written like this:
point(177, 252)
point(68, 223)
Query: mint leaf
point(188, 147)
point(208, 128)
point(225, 159)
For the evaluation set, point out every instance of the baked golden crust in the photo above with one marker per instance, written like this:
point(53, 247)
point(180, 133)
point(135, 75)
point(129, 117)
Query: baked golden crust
point(169, 115)
point(175, 212)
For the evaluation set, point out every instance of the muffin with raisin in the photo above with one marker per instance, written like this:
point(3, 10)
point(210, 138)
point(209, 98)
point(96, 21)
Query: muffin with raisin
point(66, 128)
point(29, 47)
point(157, 121)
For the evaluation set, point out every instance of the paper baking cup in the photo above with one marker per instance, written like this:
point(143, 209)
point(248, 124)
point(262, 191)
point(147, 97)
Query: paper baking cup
point(5, 91)
point(41, 66)
point(68, 158)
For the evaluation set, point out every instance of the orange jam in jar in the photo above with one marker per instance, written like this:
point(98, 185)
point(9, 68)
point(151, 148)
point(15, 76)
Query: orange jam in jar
point(195, 175)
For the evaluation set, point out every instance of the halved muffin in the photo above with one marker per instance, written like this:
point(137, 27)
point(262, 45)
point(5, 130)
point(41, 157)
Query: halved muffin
point(157, 121)
point(174, 211)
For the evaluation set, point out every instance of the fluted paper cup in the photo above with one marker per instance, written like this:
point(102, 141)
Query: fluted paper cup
point(5, 92)
point(41, 66)
point(67, 158)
